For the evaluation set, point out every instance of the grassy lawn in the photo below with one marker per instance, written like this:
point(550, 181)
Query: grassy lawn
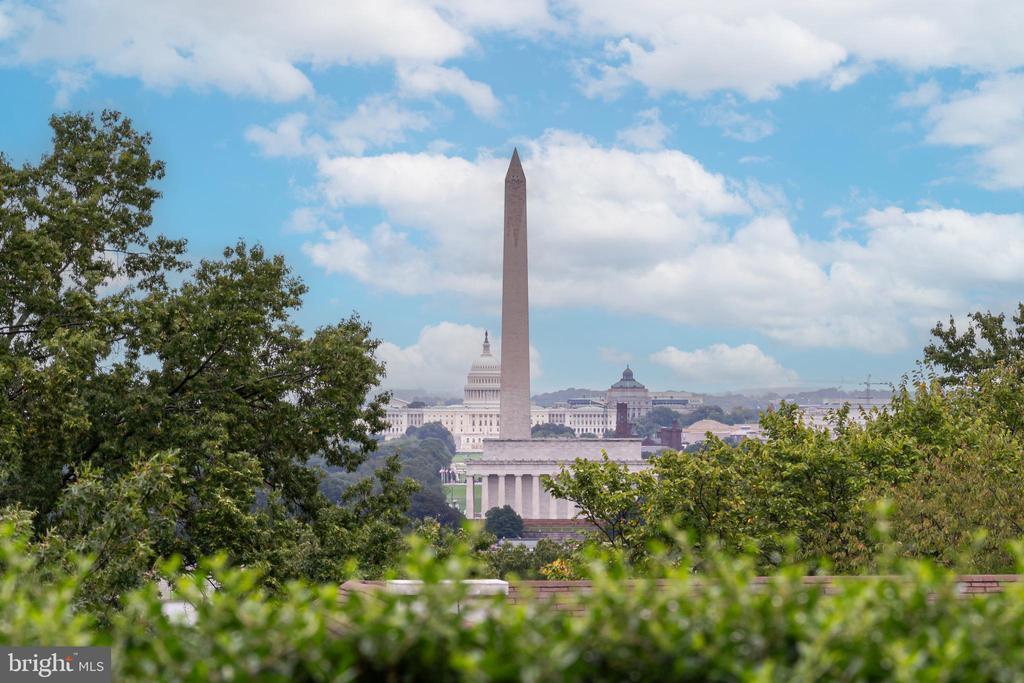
point(457, 492)
point(463, 457)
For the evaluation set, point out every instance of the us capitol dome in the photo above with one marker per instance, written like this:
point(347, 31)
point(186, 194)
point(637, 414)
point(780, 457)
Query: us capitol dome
point(483, 384)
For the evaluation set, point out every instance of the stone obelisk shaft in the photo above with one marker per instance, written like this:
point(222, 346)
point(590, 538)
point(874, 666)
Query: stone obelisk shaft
point(515, 310)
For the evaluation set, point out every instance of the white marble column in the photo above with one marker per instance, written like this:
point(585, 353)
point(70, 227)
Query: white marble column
point(535, 501)
point(502, 485)
point(485, 495)
point(470, 497)
point(519, 495)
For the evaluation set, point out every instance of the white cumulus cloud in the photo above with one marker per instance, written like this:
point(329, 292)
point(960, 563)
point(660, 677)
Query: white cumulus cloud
point(440, 358)
point(265, 48)
point(652, 233)
point(722, 366)
point(647, 133)
point(378, 122)
point(736, 124)
point(591, 201)
point(260, 48)
point(67, 81)
point(287, 138)
point(6, 24)
point(990, 119)
point(925, 94)
point(424, 80)
point(306, 219)
point(755, 48)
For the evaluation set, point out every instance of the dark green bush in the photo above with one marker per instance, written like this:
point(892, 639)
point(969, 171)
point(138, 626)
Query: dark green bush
point(504, 522)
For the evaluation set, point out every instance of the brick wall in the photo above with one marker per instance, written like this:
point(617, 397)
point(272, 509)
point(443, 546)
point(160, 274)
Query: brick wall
point(986, 583)
point(557, 529)
point(564, 595)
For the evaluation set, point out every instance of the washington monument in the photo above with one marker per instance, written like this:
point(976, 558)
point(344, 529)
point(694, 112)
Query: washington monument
point(515, 311)
point(513, 465)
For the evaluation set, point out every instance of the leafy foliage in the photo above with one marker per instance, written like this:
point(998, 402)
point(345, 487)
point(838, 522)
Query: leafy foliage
point(503, 522)
point(433, 430)
point(986, 341)
point(950, 461)
point(143, 419)
point(719, 625)
point(517, 561)
point(656, 418)
point(663, 416)
point(419, 459)
point(609, 495)
point(549, 430)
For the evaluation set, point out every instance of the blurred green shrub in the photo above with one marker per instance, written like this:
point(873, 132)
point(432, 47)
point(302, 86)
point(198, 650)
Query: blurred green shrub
point(716, 625)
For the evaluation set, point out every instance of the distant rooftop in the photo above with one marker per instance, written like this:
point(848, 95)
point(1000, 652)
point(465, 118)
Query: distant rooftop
point(627, 381)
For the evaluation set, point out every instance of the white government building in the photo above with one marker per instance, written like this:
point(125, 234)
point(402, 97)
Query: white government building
point(476, 418)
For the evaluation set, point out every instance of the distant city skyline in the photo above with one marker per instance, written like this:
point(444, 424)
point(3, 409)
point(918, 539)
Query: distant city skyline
point(851, 386)
point(725, 196)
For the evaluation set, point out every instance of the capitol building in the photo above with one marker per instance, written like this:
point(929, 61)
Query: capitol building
point(476, 418)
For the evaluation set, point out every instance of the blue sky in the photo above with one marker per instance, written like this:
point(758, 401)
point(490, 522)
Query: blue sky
point(733, 195)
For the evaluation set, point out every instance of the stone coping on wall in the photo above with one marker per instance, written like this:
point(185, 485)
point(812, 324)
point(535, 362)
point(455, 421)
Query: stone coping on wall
point(563, 451)
point(474, 587)
point(557, 529)
point(609, 439)
point(963, 581)
point(564, 595)
point(490, 462)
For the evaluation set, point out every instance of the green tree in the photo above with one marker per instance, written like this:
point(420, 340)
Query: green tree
point(549, 430)
point(949, 459)
point(657, 418)
point(446, 541)
point(741, 415)
point(433, 430)
point(189, 408)
point(800, 484)
point(702, 492)
point(610, 497)
point(986, 341)
point(505, 560)
point(433, 504)
point(503, 522)
point(420, 460)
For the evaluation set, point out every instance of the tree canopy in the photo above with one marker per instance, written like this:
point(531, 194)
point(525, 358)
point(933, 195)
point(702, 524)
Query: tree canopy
point(503, 522)
point(659, 417)
point(549, 430)
point(950, 461)
point(419, 460)
point(433, 430)
point(169, 406)
point(986, 340)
